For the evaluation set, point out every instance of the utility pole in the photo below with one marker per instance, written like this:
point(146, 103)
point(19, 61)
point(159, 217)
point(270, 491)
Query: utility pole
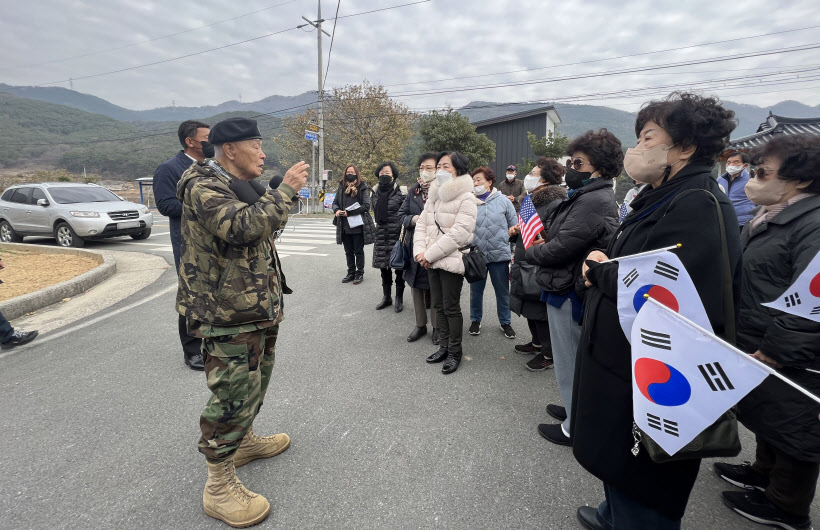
point(320, 110)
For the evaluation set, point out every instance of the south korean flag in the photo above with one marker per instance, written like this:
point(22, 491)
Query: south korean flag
point(662, 276)
point(683, 377)
point(803, 297)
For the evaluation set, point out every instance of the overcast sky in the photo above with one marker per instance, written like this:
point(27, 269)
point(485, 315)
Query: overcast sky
point(418, 44)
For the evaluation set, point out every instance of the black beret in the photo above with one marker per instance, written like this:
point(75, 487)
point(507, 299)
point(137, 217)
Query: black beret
point(234, 130)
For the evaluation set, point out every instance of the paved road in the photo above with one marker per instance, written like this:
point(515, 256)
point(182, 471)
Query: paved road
point(100, 424)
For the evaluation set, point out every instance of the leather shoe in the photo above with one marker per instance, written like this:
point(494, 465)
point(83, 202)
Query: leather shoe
point(557, 411)
point(439, 356)
point(418, 333)
point(399, 304)
point(195, 362)
point(554, 433)
point(386, 302)
point(451, 365)
point(588, 517)
point(349, 278)
point(435, 336)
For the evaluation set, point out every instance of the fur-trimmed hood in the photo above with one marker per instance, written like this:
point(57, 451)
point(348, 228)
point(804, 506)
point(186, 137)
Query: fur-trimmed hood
point(452, 189)
point(547, 194)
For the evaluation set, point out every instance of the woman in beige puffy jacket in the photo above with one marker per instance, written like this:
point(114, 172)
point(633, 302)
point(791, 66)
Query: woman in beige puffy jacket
point(446, 225)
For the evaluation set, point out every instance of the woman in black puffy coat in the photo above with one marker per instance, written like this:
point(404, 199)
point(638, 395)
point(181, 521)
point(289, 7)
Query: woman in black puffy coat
point(778, 245)
point(387, 199)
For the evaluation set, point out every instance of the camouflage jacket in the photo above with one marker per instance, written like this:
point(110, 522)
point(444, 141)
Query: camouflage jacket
point(228, 272)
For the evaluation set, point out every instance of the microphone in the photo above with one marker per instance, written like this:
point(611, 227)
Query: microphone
point(275, 181)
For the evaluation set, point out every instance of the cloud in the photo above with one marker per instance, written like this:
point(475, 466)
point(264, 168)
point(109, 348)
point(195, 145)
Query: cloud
point(407, 48)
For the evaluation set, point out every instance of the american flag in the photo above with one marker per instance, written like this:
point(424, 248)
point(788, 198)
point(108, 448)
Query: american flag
point(529, 222)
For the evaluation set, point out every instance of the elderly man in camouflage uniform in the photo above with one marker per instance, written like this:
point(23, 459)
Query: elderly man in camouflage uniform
point(230, 291)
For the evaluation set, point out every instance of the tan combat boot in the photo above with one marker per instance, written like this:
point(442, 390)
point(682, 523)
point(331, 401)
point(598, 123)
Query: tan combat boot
point(253, 447)
point(226, 499)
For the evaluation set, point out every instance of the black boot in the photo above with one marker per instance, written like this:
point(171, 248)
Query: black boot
point(387, 301)
point(418, 333)
point(399, 300)
point(439, 356)
point(451, 365)
point(358, 277)
point(351, 267)
point(194, 360)
point(435, 336)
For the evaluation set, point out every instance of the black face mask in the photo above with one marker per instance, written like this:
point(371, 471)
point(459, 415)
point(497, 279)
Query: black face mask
point(351, 177)
point(384, 180)
point(575, 179)
point(208, 150)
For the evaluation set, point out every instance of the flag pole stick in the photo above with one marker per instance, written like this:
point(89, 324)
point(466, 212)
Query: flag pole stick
point(641, 254)
point(745, 355)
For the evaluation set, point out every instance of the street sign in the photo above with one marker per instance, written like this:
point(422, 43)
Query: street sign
point(304, 193)
point(326, 174)
point(314, 128)
point(312, 136)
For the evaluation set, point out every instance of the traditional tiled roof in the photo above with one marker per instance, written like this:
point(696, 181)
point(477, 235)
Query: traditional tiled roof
point(777, 125)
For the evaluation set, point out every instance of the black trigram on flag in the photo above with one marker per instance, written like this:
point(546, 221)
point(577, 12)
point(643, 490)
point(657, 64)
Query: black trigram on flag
point(667, 271)
point(662, 424)
point(656, 340)
point(631, 277)
point(715, 377)
point(793, 300)
point(816, 310)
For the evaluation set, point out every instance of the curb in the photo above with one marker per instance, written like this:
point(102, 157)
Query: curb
point(27, 303)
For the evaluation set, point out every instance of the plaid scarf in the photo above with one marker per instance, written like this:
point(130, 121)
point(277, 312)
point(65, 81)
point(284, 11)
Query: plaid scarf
point(424, 187)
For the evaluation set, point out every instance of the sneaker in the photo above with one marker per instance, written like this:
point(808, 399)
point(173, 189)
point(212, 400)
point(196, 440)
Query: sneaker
point(755, 506)
point(18, 338)
point(742, 476)
point(527, 349)
point(554, 433)
point(508, 331)
point(539, 363)
point(475, 328)
point(557, 411)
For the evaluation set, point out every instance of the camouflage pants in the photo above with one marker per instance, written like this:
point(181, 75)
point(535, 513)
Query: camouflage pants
point(238, 368)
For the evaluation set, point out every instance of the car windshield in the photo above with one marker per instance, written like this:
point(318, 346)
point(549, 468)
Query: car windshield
point(72, 195)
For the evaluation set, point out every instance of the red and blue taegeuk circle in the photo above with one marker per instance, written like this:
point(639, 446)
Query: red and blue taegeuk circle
point(814, 286)
point(661, 294)
point(661, 383)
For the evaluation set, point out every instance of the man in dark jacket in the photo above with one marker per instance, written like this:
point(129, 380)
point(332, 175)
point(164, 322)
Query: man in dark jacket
point(513, 188)
point(191, 135)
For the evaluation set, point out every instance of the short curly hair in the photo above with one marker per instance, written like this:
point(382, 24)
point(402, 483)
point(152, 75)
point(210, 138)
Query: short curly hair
point(603, 149)
point(691, 121)
point(800, 155)
point(489, 174)
point(552, 171)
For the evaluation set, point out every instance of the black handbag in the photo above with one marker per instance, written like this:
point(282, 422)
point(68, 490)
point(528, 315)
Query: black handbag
point(475, 268)
point(399, 256)
point(530, 290)
point(721, 438)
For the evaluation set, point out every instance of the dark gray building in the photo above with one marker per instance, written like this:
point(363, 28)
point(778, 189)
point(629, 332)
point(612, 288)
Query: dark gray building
point(509, 133)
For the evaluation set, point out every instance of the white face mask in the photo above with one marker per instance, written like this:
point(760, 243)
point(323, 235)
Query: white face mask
point(510, 176)
point(427, 175)
point(531, 182)
point(443, 177)
point(479, 190)
point(734, 170)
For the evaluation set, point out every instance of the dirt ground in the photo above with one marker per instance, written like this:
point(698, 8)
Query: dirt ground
point(28, 271)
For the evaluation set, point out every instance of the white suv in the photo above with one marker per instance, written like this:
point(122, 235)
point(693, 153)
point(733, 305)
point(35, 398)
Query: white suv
point(71, 213)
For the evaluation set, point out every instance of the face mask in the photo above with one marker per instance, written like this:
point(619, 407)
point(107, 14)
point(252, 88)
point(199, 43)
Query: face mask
point(734, 170)
point(443, 177)
point(208, 150)
point(350, 177)
point(768, 192)
point(427, 175)
point(384, 180)
point(647, 165)
point(479, 190)
point(575, 179)
point(531, 182)
point(510, 176)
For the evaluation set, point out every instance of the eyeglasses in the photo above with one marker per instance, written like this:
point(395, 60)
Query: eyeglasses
point(761, 172)
point(576, 164)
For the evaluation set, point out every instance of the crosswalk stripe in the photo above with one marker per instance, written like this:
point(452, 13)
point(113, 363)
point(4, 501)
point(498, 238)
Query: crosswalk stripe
point(302, 254)
point(293, 247)
point(288, 240)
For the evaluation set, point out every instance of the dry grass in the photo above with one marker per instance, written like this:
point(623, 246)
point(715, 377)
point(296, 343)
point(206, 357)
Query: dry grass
point(28, 271)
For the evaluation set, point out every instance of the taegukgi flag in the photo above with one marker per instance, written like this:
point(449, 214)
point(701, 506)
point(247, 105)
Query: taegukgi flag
point(662, 276)
point(683, 377)
point(803, 297)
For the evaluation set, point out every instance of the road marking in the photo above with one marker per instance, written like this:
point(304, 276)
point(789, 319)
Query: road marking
point(160, 234)
point(48, 337)
point(293, 247)
point(288, 240)
point(301, 254)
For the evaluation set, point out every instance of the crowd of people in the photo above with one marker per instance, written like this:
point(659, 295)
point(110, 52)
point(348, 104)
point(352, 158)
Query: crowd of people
point(745, 237)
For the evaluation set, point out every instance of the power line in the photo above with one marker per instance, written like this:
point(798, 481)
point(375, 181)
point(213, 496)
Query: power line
point(89, 54)
point(605, 59)
point(330, 51)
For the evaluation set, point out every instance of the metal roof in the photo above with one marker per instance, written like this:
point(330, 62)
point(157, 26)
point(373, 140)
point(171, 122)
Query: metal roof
point(546, 109)
point(777, 125)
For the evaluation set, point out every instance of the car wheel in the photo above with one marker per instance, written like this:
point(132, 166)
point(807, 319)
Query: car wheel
point(7, 233)
point(145, 234)
point(66, 237)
